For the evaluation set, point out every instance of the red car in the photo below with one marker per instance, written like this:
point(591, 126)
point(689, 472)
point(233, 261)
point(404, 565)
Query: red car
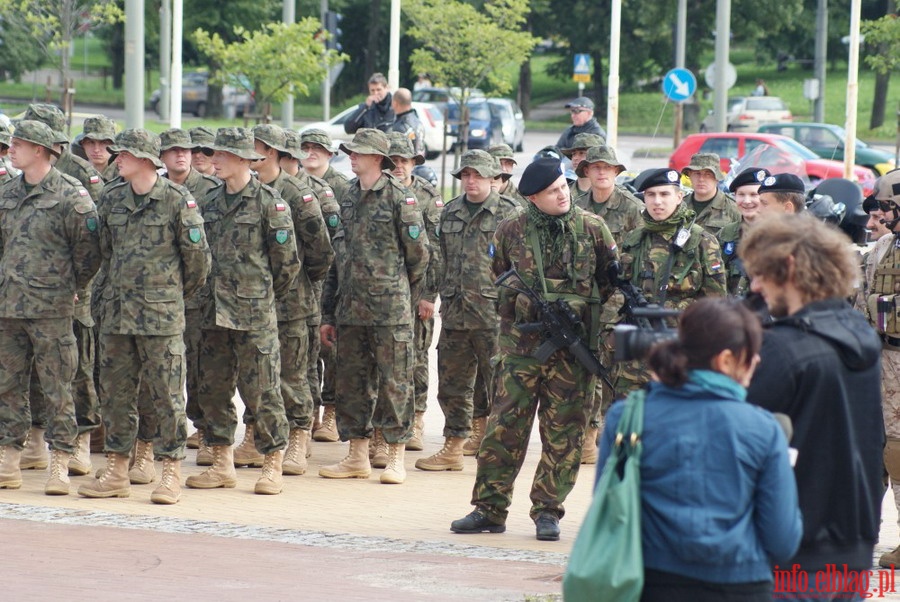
point(734, 145)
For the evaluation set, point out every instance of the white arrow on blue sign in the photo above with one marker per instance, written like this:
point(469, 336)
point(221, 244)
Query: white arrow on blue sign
point(679, 85)
point(582, 64)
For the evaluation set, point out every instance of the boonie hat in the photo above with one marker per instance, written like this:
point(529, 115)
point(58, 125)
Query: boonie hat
point(292, 145)
point(707, 161)
point(503, 151)
point(782, 182)
point(320, 137)
point(402, 146)
point(583, 141)
point(660, 177)
point(234, 140)
point(271, 135)
point(369, 141)
point(36, 132)
point(50, 115)
point(99, 127)
point(539, 175)
point(582, 102)
point(202, 137)
point(751, 175)
point(140, 143)
point(599, 154)
point(176, 138)
point(479, 160)
point(4, 134)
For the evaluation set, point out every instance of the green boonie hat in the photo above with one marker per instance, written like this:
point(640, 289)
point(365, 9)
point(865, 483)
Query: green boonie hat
point(50, 115)
point(202, 136)
point(599, 154)
point(292, 145)
point(99, 127)
point(36, 132)
point(502, 151)
point(4, 134)
point(402, 146)
point(583, 141)
point(237, 141)
point(707, 161)
point(481, 161)
point(176, 138)
point(320, 137)
point(368, 141)
point(138, 142)
point(271, 135)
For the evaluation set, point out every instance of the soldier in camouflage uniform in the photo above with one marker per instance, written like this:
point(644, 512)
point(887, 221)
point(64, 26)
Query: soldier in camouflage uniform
point(381, 256)
point(713, 209)
point(155, 254)
point(565, 253)
point(469, 322)
point(405, 158)
point(672, 260)
point(255, 263)
point(7, 171)
point(504, 154)
point(50, 250)
point(202, 137)
point(98, 134)
point(577, 153)
point(745, 188)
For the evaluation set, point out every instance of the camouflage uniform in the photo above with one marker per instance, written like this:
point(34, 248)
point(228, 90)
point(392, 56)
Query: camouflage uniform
point(50, 250)
point(102, 129)
point(157, 254)
point(557, 390)
point(381, 256)
point(507, 188)
point(254, 263)
point(720, 210)
point(738, 284)
point(7, 171)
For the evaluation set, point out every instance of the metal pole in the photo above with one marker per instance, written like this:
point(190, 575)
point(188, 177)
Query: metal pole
point(852, 89)
point(821, 57)
point(612, 99)
point(394, 55)
point(165, 57)
point(723, 32)
point(288, 16)
point(134, 63)
point(326, 85)
point(177, 47)
point(680, 44)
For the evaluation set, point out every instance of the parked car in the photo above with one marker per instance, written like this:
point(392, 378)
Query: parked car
point(195, 95)
point(827, 141)
point(485, 125)
point(747, 113)
point(439, 97)
point(512, 121)
point(431, 117)
point(733, 145)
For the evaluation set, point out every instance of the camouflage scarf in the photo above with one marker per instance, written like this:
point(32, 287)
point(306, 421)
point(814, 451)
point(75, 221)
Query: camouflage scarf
point(554, 233)
point(672, 223)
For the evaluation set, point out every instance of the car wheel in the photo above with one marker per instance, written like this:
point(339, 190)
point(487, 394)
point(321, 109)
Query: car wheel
point(200, 110)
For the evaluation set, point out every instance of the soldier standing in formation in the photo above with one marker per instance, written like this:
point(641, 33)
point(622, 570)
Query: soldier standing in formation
point(202, 137)
point(50, 250)
point(7, 171)
point(504, 154)
point(745, 188)
point(713, 209)
point(99, 133)
point(577, 153)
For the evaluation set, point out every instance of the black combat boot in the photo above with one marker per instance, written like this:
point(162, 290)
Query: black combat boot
point(476, 522)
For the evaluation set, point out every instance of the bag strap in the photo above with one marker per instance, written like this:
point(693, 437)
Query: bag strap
point(631, 425)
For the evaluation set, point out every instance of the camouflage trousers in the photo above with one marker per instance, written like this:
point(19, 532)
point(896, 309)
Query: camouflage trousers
point(46, 346)
point(312, 363)
point(462, 356)
point(424, 335)
point(890, 404)
point(248, 360)
point(328, 359)
point(374, 381)
point(602, 395)
point(130, 364)
point(558, 392)
point(84, 388)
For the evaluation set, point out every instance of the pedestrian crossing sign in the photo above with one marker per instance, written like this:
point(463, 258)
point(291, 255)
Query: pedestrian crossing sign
point(582, 69)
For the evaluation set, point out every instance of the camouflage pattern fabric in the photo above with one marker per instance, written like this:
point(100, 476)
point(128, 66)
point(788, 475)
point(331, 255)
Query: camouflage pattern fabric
point(81, 170)
point(193, 317)
point(6, 172)
point(340, 184)
point(464, 373)
point(716, 213)
point(512, 193)
point(737, 282)
point(621, 212)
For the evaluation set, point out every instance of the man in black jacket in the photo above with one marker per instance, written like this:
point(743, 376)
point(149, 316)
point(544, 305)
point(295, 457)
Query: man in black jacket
point(583, 122)
point(820, 365)
point(408, 122)
point(376, 112)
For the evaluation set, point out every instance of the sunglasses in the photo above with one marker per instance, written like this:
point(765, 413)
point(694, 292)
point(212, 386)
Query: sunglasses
point(886, 206)
point(577, 111)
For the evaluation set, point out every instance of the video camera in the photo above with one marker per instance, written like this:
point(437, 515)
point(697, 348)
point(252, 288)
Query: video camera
point(633, 341)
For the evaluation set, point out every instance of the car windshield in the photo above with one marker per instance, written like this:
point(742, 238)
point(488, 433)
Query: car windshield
point(765, 104)
point(797, 148)
point(479, 111)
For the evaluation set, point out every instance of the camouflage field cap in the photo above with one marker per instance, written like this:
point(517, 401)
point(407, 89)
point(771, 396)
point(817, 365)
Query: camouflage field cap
point(36, 132)
point(271, 135)
point(402, 146)
point(583, 141)
point(292, 145)
point(320, 137)
point(4, 134)
point(140, 143)
point(52, 115)
point(368, 141)
point(176, 138)
point(599, 154)
point(481, 161)
point(237, 141)
point(707, 161)
point(100, 128)
point(202, 136)
point(503, 151)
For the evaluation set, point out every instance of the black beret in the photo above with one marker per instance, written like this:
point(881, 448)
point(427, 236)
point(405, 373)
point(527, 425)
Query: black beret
point(783, 182)
point(660, 177)
point(751, 175)
point(870, 204)
point(539, 175)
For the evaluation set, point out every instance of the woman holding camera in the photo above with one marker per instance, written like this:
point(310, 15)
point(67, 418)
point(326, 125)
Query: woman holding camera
point(718, 497)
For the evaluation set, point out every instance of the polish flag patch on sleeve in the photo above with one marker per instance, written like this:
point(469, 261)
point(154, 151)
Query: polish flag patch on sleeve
point(191, 203)
point(410, 200)
point(329, 193)
point(95, 179)
point(82, 192)
point(279, 207)
point(307, 198)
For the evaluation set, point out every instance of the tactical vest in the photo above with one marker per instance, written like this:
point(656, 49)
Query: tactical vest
point(884, 297)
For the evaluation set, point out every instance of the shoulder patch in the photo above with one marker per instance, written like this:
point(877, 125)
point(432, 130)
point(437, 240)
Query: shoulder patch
point(191, 203)
point(82, 192)
point(329, 193)
point(410, 200)
point(439, 203)
point(715, 266)
point(280, 207)
point(3, 171)
point(308, 198)
point(95, 179)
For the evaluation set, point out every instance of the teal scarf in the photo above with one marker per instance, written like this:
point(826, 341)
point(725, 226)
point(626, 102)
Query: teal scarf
point(718, 383)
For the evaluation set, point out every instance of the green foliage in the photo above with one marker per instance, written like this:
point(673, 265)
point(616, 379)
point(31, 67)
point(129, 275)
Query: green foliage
point(19, 51)
point(883, 37)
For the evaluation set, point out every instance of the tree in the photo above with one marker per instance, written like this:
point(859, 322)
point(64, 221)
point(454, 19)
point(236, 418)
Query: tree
point(883, 38)
point(468, 48)
point(269, 62)
point(19, 52)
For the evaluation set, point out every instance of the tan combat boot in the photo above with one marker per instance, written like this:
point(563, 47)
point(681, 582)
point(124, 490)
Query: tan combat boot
point(80, 462)
point(58, 480)
point(169, 490)
point(354, 466)
point(10, 473)
point(271, 482)
point(295, 457)
point(245, 454)
point(193, 441)
point(395, 472)
point(204, 452)
point(416, 443)
point(327, 432)
point(470, 447)
point(112, 480)
point(35, 454)
point(143, 469)
point(450, 457)
point(378, 450)
point(220, 474)
point(589, 449)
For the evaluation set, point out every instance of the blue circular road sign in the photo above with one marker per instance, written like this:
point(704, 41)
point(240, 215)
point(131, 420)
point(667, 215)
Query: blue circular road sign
point(679, 85)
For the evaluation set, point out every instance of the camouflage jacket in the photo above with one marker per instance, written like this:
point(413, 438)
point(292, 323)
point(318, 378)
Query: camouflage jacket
point(50, 246)
point(155, 253)
point(596, 250)
point(432, 205)
point(718, 213)
point(381, 255)
point(111, 172)
point(339, 183)
point(735, 277)
point(254, 257)
point(326, 198)
point(468, 294)
point(513, 194)
point(84, 172)
point(198, 184)
point(6, 171)
point(621, 212)
point(313, 248)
